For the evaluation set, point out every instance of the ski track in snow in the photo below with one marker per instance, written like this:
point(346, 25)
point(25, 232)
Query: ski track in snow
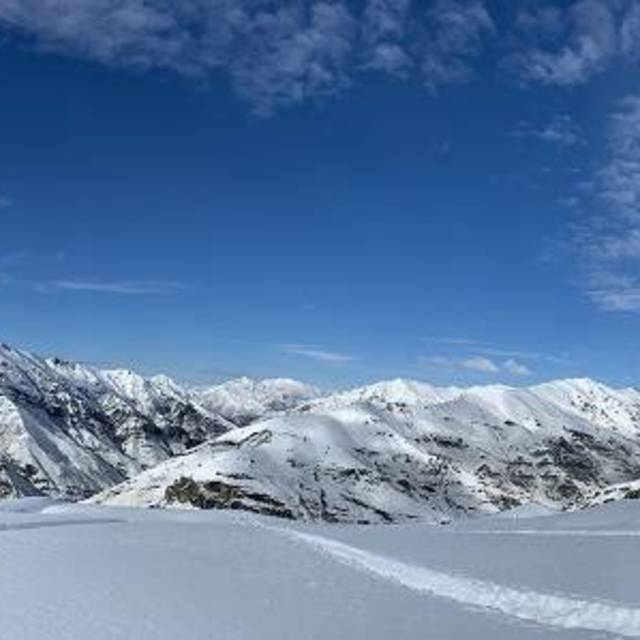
point(555, 532)
point(541, 608)
point(554, 610)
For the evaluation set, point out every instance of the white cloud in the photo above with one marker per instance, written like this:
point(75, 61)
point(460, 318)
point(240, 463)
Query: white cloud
point(619, 179)
point(291, 55)
point(319, 354)
point(283, 53)
point(561, 359)
point(608, 244)
point(630, 32)
point(481, 364)
point(274, 54)
point(613, 291)
point(622, 299)
point(565, 46)
point(562, 130)
point(473, 346)
point(122, 287)
point(5, 202)
point(516, 368)
point(455, 33)
point(385, 24)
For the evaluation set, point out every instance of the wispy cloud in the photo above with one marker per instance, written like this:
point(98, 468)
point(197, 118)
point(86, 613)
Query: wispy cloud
point(516, 368)
point(5, 202)
point(25, 258)
point(561, 359)
point(454, 341)
point(455, 33)
point(385, 27)
point(274, 54)
point(608, 242)
point(477, 364)
point(317, 353)
point(619, 179)
point(480, 363)
point(562, 130)
point(121, 287)
point(475, 347)
point(564, 45)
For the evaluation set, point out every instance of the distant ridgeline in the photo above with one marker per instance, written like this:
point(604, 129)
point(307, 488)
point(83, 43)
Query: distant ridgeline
point(389, 452)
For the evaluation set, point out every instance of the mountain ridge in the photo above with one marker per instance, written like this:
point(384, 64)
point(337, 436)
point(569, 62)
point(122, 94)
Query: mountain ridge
point(363, 457)
point(71, 429)
point(392, 451)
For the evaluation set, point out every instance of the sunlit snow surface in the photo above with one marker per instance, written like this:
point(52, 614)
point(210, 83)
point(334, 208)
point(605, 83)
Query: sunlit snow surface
point(78, 572)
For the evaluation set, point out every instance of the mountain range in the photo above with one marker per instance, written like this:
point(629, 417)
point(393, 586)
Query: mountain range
point(72, 430)
point(393, 451)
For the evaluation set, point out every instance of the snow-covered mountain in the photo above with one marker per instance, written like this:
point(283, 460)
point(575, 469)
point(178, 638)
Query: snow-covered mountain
point(402, 450)
point(392, 451)
point(69, 429)
point(244, 400)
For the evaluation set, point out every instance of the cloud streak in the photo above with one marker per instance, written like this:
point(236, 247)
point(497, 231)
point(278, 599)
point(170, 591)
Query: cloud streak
point(562, 131)
point(608, 242)
point(478, 364)
point(481, 364)
point(318, 354)
point(120, 287)
point(516, 368)
point(470, 345)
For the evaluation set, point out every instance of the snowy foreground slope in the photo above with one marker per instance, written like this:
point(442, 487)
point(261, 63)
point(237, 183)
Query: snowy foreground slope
point(71, 572)
point(400, 451)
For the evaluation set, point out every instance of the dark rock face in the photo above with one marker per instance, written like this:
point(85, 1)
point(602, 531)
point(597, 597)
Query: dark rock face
point(219, 495)
point(70, 430)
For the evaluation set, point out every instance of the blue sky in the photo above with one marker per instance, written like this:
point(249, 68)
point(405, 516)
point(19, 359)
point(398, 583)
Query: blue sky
point(336, 191)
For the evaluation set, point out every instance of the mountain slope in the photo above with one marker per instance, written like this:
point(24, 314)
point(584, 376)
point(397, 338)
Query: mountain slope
point(244, 400)
point(393, 451)
point(613, 493)
point(72, 430)
point(388, 454)
point(398, 391)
